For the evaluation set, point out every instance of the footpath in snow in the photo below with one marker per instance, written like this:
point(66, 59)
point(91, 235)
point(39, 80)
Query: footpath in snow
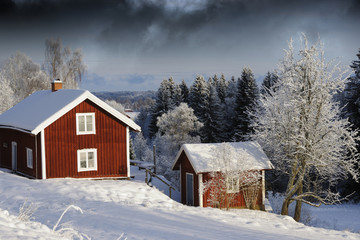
point(112, 208)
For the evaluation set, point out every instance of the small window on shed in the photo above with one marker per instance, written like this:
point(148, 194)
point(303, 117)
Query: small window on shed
point(29, 157)
point(232, 184)
point(87, 160)
point(85, 123)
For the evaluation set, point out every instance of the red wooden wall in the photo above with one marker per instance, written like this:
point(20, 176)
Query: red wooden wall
point(237, 202)
point(187, 168)
point(24, 140)
point(62, 143)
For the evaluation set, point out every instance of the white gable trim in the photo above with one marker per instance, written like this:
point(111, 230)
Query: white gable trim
point(200, 179)
point(128, 151)
point(43, 160)
point(183, 148)
point(77, 101)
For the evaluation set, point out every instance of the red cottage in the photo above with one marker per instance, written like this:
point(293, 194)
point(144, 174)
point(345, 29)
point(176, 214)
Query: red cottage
point(65, 133)
point(196, 162)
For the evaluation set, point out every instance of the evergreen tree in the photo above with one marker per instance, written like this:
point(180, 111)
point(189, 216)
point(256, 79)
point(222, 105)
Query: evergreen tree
point(229, 110)
point(184, 92)
point(350, 100)
point(211, 132)
point(246, 99)
point(269, 82)
point(221, 89)
point(351, 95)
point(198, 96)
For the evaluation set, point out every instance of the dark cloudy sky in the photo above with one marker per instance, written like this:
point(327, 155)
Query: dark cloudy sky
point(134, 44)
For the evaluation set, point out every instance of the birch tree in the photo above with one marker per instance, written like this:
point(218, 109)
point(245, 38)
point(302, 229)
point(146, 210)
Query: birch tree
point(64, 63)
point(300, 128)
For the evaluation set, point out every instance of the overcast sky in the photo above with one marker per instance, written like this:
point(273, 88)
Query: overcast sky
point(135, 44)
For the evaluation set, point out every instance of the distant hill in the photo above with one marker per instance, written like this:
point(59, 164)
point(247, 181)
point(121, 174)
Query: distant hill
point(130, 99)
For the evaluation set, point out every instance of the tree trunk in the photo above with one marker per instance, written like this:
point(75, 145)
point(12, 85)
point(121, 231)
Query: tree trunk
point(285, 207)
point(297, 213)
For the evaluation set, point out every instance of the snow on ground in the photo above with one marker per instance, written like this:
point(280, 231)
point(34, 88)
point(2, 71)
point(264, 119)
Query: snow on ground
point(111, 208)
point(13, 228)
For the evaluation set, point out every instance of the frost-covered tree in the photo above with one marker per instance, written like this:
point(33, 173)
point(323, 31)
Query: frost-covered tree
point(24, 76)
point(300, 128)
point(141, 148)
point(144, 120)
point(176, 127)
point(64, 63)
point(246, 100)
point(167, 97)
point(6, 95)
point(116, 105)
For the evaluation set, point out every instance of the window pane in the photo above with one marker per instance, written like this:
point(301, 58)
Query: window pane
point(83, 160)
point(91, 163)
point(91, 159)
point(89, 127)
point(81, 120)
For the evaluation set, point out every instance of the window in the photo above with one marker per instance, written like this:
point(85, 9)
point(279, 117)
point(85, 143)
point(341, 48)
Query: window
point(85, 123)
point(29, 157)
point(87, 160)
point(232, 184)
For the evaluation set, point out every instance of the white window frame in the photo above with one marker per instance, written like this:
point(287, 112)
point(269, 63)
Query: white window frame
point(78, 132)
point(87, 150)
point(230, 186)
point(29, 158)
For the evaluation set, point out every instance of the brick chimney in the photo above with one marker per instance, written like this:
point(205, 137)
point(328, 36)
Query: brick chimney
point(56, 84)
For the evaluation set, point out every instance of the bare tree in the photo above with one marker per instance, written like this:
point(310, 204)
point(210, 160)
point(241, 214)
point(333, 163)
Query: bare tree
point(64, 63)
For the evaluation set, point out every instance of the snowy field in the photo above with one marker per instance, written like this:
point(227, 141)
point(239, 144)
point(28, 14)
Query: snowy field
point(132, 210)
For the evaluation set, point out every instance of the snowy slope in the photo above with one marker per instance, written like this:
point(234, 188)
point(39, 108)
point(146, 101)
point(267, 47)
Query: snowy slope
point(111, 208)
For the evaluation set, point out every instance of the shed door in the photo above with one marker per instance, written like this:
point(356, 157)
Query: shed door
point(14, 155)
point(189, 189)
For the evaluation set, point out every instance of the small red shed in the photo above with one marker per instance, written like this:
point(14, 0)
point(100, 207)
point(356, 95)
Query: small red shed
point(196, 162)
point(62, 133)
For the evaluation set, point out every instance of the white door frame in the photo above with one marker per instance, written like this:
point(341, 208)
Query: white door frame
point(192, 188)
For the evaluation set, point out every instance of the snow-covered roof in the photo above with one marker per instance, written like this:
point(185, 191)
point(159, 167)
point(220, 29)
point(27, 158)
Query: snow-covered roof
point(42, 108)
point(204, 157)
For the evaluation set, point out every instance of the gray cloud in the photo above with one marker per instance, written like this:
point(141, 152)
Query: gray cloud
point(183, 37)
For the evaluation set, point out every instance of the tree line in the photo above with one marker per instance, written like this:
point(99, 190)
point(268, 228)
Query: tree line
point(305, 115)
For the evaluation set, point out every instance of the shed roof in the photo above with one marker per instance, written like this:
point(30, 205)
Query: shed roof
point(42, 108)
point(204, 157)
